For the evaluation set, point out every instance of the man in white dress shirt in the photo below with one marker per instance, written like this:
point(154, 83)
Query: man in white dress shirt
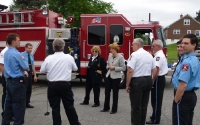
point(159, 82)
point(141, 66)
point(58, 68)
point(2, 77)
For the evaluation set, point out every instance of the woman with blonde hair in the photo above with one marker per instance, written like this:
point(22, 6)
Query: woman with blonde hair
point(115, 65)
point(95, 72)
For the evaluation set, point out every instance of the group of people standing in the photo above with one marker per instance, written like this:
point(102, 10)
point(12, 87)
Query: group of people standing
point(96, 71)
point(17, 70)
point(145, 74)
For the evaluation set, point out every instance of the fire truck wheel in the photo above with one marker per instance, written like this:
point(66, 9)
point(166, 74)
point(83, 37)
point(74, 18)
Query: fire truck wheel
point(122, 84)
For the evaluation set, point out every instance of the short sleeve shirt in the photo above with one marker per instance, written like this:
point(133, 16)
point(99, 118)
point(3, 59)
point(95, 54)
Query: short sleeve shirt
point(2, 55)
point(25, 54)
point(161, 62)
point(188, 71)
point(59, 67)
point(14, 63)
point(141, 62)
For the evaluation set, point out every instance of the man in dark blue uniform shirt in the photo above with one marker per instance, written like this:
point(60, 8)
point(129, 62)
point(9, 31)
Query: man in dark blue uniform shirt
point(14, 67)
point(185, 81)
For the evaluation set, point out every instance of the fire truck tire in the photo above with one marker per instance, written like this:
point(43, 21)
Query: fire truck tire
point(122, 84)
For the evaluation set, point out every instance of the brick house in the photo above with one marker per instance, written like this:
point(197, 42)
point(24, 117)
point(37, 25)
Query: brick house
point(184, 25)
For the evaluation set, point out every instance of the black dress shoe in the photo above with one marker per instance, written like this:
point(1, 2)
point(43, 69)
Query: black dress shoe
point(12, 119)
point(29, 106)
point(150, 122)
point(112, 112)
point(95, 105)
point(83, 103)
point(104, 111)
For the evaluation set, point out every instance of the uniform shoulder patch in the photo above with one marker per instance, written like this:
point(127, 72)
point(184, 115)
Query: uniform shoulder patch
point(185, 67)
point(22, 57)
point(157, 58)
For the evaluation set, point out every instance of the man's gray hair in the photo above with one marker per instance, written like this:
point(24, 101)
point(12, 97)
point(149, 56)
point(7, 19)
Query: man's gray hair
point(158, 42)
point(58, 45)
point(139, 41)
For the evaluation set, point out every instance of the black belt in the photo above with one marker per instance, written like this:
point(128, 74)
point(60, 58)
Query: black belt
point(141, 77)
point(16, 78)
point(58, 81)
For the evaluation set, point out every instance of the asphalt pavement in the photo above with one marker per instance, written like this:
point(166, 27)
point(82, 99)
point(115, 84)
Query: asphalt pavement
point(92, 116)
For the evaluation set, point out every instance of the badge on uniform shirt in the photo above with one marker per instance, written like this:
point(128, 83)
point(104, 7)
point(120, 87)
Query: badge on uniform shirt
point(98, 65)
point(22, 57)
point(185, 67)
point(157, 58)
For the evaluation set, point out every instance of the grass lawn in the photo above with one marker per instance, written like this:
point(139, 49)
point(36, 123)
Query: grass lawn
point(172, 53)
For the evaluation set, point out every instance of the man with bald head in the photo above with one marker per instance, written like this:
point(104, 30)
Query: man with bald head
point(158, 81)
point(141, 66)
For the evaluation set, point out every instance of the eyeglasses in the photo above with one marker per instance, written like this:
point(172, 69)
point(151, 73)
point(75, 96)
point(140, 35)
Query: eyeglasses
point(94, 51)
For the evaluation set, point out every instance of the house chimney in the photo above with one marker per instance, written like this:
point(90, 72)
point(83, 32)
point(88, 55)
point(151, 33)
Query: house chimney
point(181, 16)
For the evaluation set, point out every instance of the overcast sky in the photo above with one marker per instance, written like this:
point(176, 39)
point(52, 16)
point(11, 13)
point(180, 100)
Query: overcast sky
point(164, 11)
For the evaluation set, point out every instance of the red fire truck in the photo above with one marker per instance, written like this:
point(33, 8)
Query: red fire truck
point(41, 27)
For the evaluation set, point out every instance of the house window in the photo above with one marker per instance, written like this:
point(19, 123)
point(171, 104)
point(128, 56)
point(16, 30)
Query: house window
point(186, 21)
point(197, 32)
point(189, 32)
point(176, 31)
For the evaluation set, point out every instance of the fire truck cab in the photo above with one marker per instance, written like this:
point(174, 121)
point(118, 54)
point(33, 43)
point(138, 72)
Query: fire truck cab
point(41, 27)
point(104, 29)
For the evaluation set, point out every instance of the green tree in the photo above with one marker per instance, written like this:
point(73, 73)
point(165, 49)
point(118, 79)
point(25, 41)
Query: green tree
point(78, 7)
point(198, 16)
point(28, 4)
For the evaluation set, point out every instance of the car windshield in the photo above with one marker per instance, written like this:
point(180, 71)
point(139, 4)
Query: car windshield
point(160, 35)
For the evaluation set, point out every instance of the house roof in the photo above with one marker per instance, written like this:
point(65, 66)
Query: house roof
point(180, 19)
point(3, 7)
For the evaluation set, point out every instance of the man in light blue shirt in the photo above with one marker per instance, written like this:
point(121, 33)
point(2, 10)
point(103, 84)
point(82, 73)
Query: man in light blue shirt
point(14, 67)
point(185, 81)
point(28, 57)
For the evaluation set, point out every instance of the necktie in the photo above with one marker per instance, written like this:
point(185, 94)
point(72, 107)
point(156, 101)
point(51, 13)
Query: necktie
point(29, 63)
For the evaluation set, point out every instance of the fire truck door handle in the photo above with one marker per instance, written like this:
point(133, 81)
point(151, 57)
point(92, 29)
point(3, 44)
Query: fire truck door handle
point(129, 47)
point(84, 41)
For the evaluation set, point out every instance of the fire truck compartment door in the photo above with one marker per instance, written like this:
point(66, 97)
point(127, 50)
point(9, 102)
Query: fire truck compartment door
point(50, 47)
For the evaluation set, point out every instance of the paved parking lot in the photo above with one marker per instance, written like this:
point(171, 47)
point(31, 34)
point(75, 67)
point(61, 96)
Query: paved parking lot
point(92, 116)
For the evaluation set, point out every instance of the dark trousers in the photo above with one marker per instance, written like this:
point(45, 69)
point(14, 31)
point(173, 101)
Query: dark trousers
point(56, 92)
point(183, 111)
point(92, 84)
point(114, 85)
point(15, 102)
point(4, 92)
point(29, 81)
point(139, 96)
point(157, 98)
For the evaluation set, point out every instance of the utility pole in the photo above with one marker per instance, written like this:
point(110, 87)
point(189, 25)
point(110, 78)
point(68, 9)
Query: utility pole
point(149, 17)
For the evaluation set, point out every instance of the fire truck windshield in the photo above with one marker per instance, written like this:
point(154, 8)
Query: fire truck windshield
point(160, 36)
